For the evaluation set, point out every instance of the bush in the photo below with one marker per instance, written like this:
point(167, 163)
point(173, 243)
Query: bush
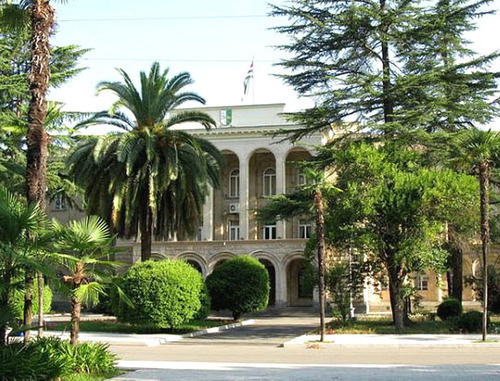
point(449, 308)
point(49, 358)
point(470, 322)
point(240, 285)
point(17, 301)
point(165, 294)
point(205, 304)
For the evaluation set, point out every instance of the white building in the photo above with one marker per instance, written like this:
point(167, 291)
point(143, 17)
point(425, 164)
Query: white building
point(261, 165)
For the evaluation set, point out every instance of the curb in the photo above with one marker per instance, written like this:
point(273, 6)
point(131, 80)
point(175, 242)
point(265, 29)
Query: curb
point(147, 340)
point(331, 342)
point(219, 329)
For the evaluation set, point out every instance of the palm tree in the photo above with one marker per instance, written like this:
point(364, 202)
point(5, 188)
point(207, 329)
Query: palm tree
point(39, 15)
point(82, 244)
point(19, 224)
point(149, 179)
point(480, 151)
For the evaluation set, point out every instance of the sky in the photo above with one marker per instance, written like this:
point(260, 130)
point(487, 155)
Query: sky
point(215, 41)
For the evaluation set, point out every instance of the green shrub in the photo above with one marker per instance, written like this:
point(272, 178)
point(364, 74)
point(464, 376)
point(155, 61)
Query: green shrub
point(240, 285)
point(49, 358)
point(470, 322)
point(24, 362)
point(165, 294)
point(449, 308)
point(205, 304)
point(17, 301)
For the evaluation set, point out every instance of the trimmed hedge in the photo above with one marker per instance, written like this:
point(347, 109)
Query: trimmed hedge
point(470, 322)
point(449, 308)
point(17, 301)
point(240, 285)
point(165, 294)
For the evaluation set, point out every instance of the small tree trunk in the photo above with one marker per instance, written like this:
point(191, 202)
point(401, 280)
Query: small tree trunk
point(3, 335)
point(28, 303)
point(4, 299)
point(320, 237)
point(457, 271)
point(484, 184)
point(397, 302)
point(388, 101)
point(40, 304)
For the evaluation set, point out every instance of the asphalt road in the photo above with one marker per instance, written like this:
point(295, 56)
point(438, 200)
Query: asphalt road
point(254, 353)
point(254, 372)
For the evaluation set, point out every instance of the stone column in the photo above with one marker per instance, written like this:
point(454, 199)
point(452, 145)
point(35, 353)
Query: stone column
point(280, 188)
point(244, 212)
point(281, 292)
point(208, 216)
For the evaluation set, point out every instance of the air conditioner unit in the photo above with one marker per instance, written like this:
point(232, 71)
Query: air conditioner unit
point(234, 207)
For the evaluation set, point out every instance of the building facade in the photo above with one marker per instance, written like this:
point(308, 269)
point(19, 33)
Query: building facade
point(260, 164)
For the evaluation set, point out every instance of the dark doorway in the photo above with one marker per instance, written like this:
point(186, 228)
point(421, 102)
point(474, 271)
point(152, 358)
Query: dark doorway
point(272, 280)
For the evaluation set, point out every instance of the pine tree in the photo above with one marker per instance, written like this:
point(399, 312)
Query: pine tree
point(390, 65)
point(387, 67)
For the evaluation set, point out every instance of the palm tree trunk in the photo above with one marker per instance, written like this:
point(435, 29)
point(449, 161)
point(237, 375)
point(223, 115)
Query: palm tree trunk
point(146, 234)
point(42, 20)
point(28, 302)
point(76, 305)
point(40, 304)
point(37, 140)
point(320, 237)
point(76, 308)
point(484, 184)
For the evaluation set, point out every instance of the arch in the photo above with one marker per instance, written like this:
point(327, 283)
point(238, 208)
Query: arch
point(271, 271)
point(476, 269)
point(218, 258)
point(298, 286)
point(296, 149)
point(195, 260)
point(155, 256)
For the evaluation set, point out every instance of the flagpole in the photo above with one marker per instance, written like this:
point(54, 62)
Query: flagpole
point(253, 84)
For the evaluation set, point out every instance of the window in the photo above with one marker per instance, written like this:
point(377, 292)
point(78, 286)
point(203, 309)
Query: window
point(199, 234)
point(59, 203)
point(269, 182)
point(269, 232)
point(234, 183)
point(305, 229)
point(422, 283)
point(234, 230)
point(301, 179)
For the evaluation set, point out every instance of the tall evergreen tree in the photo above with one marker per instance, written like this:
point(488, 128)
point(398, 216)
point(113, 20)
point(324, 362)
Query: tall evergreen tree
point(387, 67)
point(390, 65)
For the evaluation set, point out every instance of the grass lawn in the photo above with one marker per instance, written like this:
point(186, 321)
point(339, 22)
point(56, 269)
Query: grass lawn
point(107, 326)
point(383, 325)
point(91, 377)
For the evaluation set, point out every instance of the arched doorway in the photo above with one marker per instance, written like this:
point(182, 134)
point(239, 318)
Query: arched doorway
point(299, 283)
point(272, 280)
point(195, 265)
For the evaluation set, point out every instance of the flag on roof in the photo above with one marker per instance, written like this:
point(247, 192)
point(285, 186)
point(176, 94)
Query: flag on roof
point(246, 82)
